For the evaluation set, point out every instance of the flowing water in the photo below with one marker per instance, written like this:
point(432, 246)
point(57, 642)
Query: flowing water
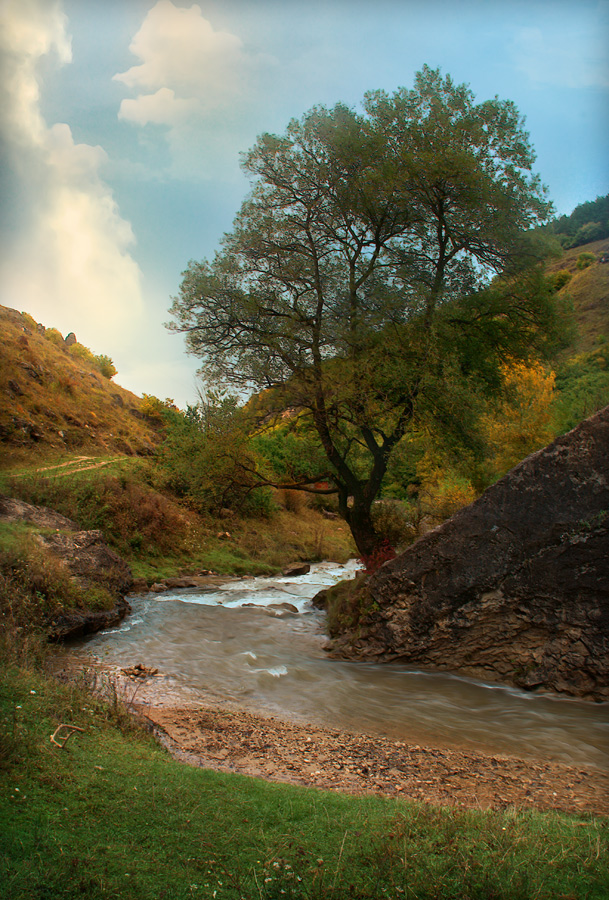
point(258, 643)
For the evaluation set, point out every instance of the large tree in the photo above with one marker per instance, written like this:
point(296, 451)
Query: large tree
point(376, 275)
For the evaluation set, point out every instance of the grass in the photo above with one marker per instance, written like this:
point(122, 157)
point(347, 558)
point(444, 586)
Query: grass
point(112, 815)
point(55, 397)
point(159, 536)
point(588, 289)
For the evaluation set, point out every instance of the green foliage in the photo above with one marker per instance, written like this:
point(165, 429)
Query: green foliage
point(155, 408)
point(356, 287)
point(35, 586)
point(291, 452)
point(393, 521)
point(54, 336)
point(206, 458)
point(561, 278)
point(582, 387)
point(106, 366)
point(135, 519)
point(80, 352)
point(585, 259)
point(588, 222)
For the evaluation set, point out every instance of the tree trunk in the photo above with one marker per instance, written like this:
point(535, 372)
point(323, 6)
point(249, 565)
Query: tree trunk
point(362, 528)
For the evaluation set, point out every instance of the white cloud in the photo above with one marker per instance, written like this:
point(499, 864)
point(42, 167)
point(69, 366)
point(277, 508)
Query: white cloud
point(69, 264)
point(573, 59)
point(198, 82)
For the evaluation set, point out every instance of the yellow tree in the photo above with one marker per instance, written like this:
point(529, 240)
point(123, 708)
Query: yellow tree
point(524, 420)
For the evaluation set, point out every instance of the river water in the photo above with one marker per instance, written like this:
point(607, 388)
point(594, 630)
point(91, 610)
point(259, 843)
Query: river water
point(241, 644)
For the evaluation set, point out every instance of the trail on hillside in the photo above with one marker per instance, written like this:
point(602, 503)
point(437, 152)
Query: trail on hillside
point(72, 466)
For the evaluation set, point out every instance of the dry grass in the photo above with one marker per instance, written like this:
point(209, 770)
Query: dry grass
point(589, 290)
point(53, 397)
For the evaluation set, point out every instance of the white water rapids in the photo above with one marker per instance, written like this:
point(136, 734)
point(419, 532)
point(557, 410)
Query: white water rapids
point(237, 644)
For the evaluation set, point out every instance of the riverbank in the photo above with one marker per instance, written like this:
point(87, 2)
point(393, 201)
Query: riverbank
point(232, 740)
point(111, 814)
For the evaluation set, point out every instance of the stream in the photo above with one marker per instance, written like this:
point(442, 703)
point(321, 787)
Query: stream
point(259, 644)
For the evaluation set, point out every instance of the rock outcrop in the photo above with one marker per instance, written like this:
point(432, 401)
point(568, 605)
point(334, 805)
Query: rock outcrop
point(515, 587)
point(80, 623)
point(88, 559)
point(13, 510)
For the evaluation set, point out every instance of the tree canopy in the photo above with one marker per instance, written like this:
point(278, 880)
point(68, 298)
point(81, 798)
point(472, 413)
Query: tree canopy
point(381, 270)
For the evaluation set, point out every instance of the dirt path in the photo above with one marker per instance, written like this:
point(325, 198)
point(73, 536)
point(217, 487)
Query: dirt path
point(78, 465)
point(266, 747)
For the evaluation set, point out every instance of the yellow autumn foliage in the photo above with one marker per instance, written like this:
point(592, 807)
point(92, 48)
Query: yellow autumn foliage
point(524, 420)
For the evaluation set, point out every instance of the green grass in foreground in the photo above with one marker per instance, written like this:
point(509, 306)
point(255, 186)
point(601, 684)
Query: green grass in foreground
point(113, 816)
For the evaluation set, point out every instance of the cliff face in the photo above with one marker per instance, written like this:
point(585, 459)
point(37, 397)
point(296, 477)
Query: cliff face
point(514, 588)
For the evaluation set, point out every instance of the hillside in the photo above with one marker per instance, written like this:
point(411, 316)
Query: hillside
point(54, 396)
point(588, 288)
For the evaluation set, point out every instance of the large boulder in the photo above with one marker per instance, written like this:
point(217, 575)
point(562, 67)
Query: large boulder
point(515, 587)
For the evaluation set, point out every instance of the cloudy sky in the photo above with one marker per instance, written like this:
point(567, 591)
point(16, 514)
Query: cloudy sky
point(121, 124)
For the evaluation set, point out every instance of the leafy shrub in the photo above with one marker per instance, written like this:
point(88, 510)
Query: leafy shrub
point(561, 278)
point(205, 458)
point(442, 498)
point(54, 336)
point(121, 507)
point(392, 520)
point(381, 554)
point(260, 502)
point(106, 366)
point(523, 421)
point(585, 259)
point(33, 584)
point(293, 501)
point(154, 408)
point(79, 351)
point(591, 231)
point(582, 387)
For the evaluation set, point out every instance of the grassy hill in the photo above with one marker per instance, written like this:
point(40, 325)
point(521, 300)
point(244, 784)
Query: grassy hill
point(54, 396)
point(73, 440)
point(588, 288)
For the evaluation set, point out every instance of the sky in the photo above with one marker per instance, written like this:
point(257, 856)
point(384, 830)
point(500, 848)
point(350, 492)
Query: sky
point(122, 123)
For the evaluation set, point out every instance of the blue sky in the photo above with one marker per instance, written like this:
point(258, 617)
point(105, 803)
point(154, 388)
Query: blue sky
point(121, 124)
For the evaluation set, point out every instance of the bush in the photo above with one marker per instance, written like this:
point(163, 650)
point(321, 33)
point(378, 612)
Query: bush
point(392, 521)
point(293, 501)
point(55, 337)
point(83, 353)
point(206, 460)
point(591, 231)
point(106, 366)
point(561, 278)
point(585, 259)
point(122, 507)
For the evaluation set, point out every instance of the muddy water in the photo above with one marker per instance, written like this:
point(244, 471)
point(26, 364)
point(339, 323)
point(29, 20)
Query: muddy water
point(241, 644)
